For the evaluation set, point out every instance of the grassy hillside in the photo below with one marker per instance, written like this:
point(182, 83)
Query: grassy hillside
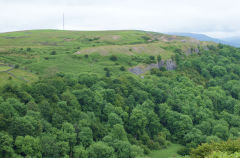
point(67, 94)
point(53, 38)
point(46, 52)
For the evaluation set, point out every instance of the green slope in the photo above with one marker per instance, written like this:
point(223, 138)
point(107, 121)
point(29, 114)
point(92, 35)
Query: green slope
point(85, 100)
point(87, 51)
point(52, 38)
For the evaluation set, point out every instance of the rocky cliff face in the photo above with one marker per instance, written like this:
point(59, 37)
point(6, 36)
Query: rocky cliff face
point(139, 70)
point(190, 51)
point(168, 64)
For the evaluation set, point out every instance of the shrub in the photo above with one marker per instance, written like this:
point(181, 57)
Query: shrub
point(218, 71)
point(184, 151)
point(204, 150)
point(163, 68)
point(53, 52)
point(154, 71)
point(122, 68)
point(29, 49)
point(113, 58)
point(220, 46)
point(219, 154)
point(106, 69)
point(60, 74)
point(159, 58)
point(108, 74)
point(16, 66)
point(146, 38)
point(212, 47)
point(178, 51)
point(152, 57)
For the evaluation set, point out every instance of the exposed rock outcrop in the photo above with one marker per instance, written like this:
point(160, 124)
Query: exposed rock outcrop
point(136, 70)
point(168, 64)
point(190, 51)
point(139, 70)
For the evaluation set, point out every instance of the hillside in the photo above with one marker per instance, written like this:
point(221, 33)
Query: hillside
point(117, 94)
point(50, 51)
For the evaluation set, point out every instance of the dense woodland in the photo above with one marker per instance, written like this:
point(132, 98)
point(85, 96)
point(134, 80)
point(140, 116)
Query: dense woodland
point(126, 116)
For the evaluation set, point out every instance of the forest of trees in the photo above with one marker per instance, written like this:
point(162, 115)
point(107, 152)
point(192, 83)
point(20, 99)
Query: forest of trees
point(125, 116)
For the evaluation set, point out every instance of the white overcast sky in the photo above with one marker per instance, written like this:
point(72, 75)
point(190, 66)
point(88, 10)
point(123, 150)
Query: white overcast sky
point(217, 18)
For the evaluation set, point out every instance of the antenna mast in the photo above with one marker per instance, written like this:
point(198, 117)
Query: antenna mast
point(63, 20)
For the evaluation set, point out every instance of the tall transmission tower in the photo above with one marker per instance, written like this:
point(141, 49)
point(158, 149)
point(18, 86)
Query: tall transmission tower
point(63, 21)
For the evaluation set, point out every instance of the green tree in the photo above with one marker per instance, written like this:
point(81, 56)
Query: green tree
point(223, 155)
point(194, 137)
point(221, 131)
point(19, 107)
point(178, 124)
point(137, 122)
point(28, 146)
point(6, 145)
point(114, 119)
point(49, 146)
point(118, 132)
point(136, 151)
point(100, 149)
point(79, 152)
point(68, 134)
point(62, 148)
point(218, 71)
point(22, 126)
point(85, 136)
point(122, 149)
point(7, 114)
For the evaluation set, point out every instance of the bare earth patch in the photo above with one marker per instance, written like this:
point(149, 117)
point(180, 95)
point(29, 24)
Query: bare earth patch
point(116, 37)
point(2, 50)
point(110, 37)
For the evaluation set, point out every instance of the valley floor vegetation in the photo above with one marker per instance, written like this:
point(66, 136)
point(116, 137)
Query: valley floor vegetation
point(116, 114)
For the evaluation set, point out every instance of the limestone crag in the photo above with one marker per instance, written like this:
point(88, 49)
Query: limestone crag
point(168, 64)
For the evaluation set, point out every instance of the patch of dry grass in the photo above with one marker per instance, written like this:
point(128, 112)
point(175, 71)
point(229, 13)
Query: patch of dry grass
point(149, 49)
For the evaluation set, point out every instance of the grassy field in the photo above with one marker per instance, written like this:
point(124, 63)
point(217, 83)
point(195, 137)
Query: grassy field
point(5, 78)
point(24, 75)
point(17, 76)
point(46, 52)
point(170, 152)
point(53, 38)
point(83, 39)
point(137, 49)
point(4, 68)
